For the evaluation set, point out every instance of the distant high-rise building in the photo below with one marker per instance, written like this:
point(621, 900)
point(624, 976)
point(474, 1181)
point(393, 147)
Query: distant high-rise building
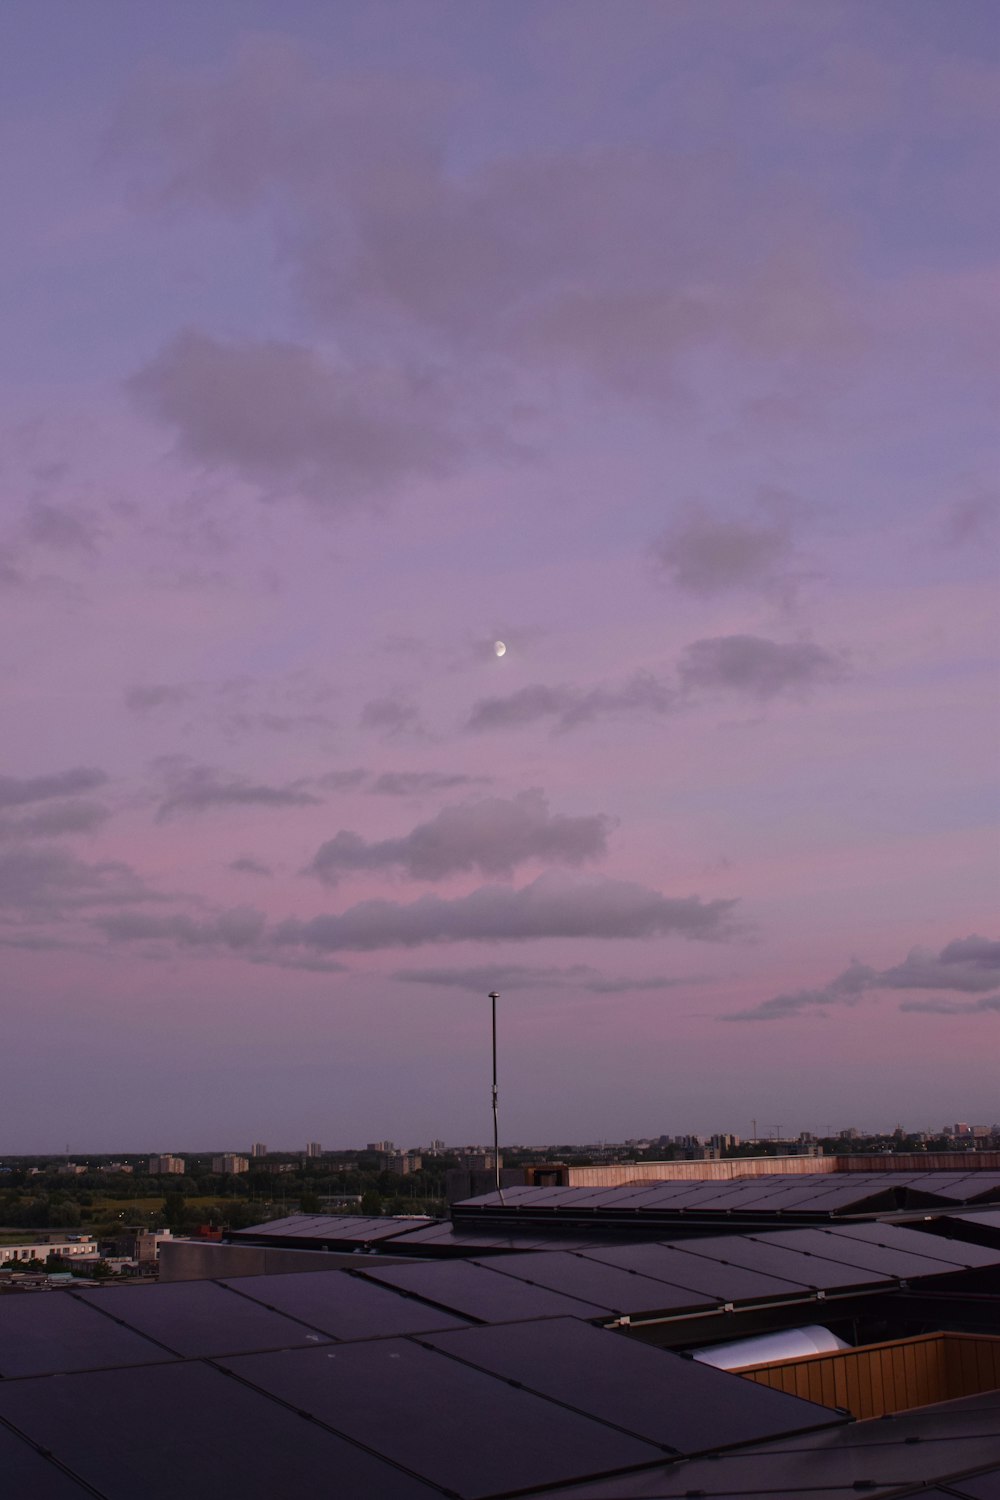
point(230, 1164)
point(381, 1146)
point(314, 1149)
point(402, 1162)
point(259, 1149)
point(161, 1164)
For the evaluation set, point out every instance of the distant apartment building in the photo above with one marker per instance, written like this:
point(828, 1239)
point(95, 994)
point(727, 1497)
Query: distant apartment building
point(72, 1169)
point(314, 1149)
point(381, 1148)
point(400, 1162)
point(159, 1165)
point(230, 1164)
point(479, 1161)
point(258, 1149)
point(115, 1169)
point(724, 1142)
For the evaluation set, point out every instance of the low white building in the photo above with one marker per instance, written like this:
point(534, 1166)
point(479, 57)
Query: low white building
point(65, 1248)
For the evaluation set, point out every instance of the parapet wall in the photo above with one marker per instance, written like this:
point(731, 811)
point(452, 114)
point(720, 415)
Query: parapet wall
point(733, 1167)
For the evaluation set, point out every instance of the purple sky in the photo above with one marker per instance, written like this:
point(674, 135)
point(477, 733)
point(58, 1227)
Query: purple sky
point(341, 342)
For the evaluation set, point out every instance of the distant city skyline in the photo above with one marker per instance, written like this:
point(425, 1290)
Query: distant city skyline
point(344, 344)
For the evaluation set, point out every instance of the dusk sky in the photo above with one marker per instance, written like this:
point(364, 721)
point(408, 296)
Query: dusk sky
point(343, 341)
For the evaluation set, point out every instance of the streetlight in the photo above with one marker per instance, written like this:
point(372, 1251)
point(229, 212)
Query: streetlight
point(494, 997)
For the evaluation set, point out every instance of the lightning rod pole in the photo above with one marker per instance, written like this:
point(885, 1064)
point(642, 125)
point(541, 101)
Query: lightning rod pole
point(494, 997)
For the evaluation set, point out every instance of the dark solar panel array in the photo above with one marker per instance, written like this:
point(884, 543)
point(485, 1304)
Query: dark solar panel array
point(799, 1193)
point(879, 1458)
point(342, 1306)
point(195, 1318)
point(26, 1473)
point(620, 1290)
point(457, 1378)
point(480, 1292)
point(44, 1335)
point(340, 1229)
point(165, 1431)
point(647, 1392)
point(457, 1427)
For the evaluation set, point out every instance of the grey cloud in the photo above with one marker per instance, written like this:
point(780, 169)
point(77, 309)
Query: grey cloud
point(240, 927)
point(970, 964)
point(16, 791)
point(705, 554)
point(554, 905)
point(967, 965)
point(309, 963)
point(49, 880)
point(142, 697)
point(987, 1005)
point(62, 529)
point(492, 836)
point(582, 977)
point(390, 715)
point(559, 258)
point(240, 930)
point(247, 866)
point(414, 783)
point(847, 989)
point(55, 819)
point(195, 789)
point(282, 419)
point(762, 668)
point(569, 706)
point(339, 781)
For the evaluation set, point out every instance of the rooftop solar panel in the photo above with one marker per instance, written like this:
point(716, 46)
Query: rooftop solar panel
point(25, 1472)
point(452, 1425)
point(47, 1333)
point(186, 1429)
point(480, 1293)
point(341, 1305)
point(655, 1395)
point(879, 1458)
point(451, 1236)
point(955, 1253)
point(620, 1290)
point(777, 1260)
point(981, 1487)
point(199, 1318)
point(341, 1229)
point(711, 1279)
point(895, 1261)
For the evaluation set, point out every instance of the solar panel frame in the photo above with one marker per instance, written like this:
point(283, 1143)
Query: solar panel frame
point(713, 1280)
point(455, 1426)
point(198, 1318)
point(654, 1394)
point(342, 1306)
point(26, 1472)
point(50, 1333)
point(478, 1292)
point(163, 1431)
point(810, 1271)
point(623, 1292)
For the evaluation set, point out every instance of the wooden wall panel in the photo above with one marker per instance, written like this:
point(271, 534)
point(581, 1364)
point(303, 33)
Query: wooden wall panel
point(889, 1377)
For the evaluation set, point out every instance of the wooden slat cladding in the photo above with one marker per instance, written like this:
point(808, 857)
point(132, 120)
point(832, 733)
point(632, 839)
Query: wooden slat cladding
point(895, 1376)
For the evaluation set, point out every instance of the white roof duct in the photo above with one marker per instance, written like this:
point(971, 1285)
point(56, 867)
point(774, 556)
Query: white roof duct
point(771, 1348)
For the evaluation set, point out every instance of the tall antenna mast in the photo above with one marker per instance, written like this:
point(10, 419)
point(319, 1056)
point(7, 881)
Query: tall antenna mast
point(494, 997)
